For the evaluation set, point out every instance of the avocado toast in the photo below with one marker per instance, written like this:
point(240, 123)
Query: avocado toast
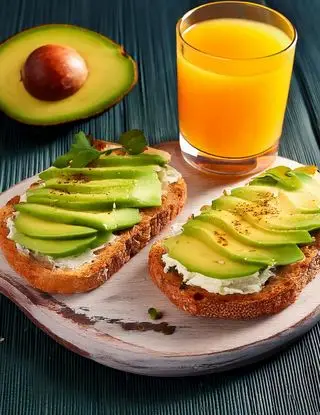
point(88, 214)
point(253, 249)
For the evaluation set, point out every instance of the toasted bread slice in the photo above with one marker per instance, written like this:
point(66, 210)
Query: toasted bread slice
point(110, 259)
point(279, 292)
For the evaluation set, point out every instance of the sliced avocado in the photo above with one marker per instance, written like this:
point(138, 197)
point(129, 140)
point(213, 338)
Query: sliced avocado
point(55, 248)
point(112, 74)
point(205, 260)
point(233, 204)
point(42, 229)
point(101, 238)
point(309, 183)
point(308, 170)
point(280, 175)
point(98, 173)
point(223, 242)
point(298, 201)
point(304, 201)
point(145, 195)
point(306, 221)
point(107, 221)
point(94, 186)
point(137, 160)
point(266, 215)
point(251, 234)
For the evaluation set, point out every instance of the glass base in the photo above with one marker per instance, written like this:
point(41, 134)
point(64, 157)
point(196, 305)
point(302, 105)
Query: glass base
point(210, 164)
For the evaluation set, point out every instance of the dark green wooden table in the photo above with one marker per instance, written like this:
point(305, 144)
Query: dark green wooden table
point(38, 376)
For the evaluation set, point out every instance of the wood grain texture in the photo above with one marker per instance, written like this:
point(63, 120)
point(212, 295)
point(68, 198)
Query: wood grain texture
point(36, 374)
point(111, 326)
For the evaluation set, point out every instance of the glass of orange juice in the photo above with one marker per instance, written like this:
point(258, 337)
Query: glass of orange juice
point(234, 65)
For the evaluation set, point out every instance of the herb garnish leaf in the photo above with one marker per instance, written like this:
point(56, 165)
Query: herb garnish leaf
point(82, 153)
point(133, 141)
point(154, 314)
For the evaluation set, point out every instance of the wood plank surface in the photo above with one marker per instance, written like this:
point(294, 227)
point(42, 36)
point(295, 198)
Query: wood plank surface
point(38, 376)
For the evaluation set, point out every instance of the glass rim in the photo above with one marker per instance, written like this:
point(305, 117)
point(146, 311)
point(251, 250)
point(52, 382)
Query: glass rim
point(245, 3)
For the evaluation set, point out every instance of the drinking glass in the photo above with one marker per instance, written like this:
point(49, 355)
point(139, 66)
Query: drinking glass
point(234, 66)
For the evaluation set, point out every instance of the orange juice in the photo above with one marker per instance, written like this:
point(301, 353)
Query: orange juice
point(233, 86)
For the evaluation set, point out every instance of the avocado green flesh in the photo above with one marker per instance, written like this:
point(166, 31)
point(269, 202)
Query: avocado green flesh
point(299, 201)
point(251, 234)
point(107, 221)
point(280, 175)
point(99, 91)
point(258, 225)
point(98, 173)
point(100, 186)
point(138, 196)
point(54, 248)
point(43, 229)
point(310, 184)
point(266, 215)
point(71, 204)
point(205, 260)
point(222, 242)
point(138, 160)
point(101, 238)
point(307, 222)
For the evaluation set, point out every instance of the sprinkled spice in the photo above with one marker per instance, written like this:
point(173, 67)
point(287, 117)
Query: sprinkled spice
point(257, 209)
point(239, 227)
point(221, 238)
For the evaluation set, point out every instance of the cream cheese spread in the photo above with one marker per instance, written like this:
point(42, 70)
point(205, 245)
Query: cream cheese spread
point(168, 175)
point(71, 262)
point(242, 285)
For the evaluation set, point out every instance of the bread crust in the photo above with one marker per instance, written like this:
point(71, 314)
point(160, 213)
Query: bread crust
point(109, 260)
point(279, 292)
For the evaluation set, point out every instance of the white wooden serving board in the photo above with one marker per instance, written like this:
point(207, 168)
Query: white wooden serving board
point(111, 325)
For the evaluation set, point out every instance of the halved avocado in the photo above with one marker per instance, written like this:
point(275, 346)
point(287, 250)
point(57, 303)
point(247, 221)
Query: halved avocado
point(111, 75)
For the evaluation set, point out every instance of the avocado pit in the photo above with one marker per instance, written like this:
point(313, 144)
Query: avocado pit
point(54, 72)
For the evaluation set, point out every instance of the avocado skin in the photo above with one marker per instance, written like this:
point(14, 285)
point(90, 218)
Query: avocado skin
point(43, 229)
point(106, 221)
